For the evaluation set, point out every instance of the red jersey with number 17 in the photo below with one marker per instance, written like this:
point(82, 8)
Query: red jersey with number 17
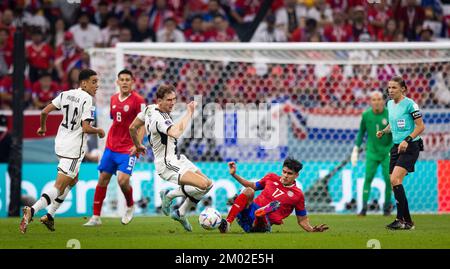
point(123, 112)
point(290, 198)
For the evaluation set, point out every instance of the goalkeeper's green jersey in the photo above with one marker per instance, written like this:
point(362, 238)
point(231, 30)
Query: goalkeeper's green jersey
point(376, 149)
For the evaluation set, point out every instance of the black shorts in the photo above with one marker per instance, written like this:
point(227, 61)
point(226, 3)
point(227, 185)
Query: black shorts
point(406, 159)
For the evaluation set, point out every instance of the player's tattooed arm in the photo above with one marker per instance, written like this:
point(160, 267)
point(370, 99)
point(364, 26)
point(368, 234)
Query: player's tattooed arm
point(137, 133)
point(303, 221)
point(178, 128)
point(241, 180)
point(88, 129)
point(44, 114)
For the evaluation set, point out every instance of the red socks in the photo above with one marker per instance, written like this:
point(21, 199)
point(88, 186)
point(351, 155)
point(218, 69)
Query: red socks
point(239, 204)
point(99, 196)
point(129, 197)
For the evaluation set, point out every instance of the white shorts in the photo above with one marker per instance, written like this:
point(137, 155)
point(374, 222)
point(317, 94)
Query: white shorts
point(175, 169)
point(70, 167)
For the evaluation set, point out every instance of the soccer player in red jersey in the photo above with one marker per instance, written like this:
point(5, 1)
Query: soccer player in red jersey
point(279, 197)
point(124, 107)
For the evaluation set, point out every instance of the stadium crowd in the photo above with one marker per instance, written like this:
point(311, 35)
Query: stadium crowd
point(58, 34)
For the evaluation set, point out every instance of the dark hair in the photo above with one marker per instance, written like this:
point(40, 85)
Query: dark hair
point(86, 74)
point(293, 164)
point(163, 90)
point(125, 72)
point(400, 81)
point(44, 74)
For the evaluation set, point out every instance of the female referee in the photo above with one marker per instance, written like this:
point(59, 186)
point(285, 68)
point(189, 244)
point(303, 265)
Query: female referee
point(406, 125)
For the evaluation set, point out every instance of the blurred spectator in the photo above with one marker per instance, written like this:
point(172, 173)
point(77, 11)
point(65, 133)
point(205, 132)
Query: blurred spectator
point(68, 12)
point(40, 56)
point(339, 31)
point(426, 34)
point(432, 22)
point(195, 33)
point(291, 16)
point(58, 30)
point(5, 140)
point(101, 14)
point(126, 13)
point(44, 91)
point(321, 13)
point(245, 10)
point(267, 32)
point(435, 5)
point(34, 19)
point(307, 34)
point(6, 91)
point(390, 32)
point(6, 51)
point(170, 33)
point(159, 14)
point(141, 31)
point(378, 14)
point(71, 82)
point(67, 56)
point(213, 10)
point(110, 34)
point(222, 32)
point(360, 25)
point(125, 35)
point(86, 34)
point(7, 21)
point(411, 19)
point(338, 4)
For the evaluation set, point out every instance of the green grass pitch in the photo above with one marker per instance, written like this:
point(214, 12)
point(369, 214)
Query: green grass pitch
point(346, 232)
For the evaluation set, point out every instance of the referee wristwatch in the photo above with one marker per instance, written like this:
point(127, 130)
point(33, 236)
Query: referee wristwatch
point(408, 139)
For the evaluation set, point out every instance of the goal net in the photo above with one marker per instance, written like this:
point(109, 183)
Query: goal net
point(260, 103)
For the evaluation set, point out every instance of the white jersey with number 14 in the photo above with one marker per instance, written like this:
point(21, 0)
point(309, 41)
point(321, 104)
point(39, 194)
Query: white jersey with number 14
point(76, 106)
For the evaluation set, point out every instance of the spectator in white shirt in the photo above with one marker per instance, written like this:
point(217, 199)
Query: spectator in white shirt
point(321, 12)
point(291, 16)
point(86, 35)
point(110, 34)
point(170, 33)
point(267, 32)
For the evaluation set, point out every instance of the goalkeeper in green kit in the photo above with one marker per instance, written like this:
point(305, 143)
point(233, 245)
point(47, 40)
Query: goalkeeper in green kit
point(377, 150)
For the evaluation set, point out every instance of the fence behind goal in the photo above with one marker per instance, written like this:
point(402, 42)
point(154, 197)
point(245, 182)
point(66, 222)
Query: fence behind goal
point(261, 103)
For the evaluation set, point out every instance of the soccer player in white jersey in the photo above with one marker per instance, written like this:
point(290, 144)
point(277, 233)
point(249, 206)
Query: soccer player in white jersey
point(70, 141)
point(169, 163)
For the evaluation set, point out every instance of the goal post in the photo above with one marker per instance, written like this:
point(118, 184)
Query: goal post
point(315, 93)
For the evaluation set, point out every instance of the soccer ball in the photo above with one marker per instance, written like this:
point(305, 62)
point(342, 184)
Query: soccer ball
point(210, 218)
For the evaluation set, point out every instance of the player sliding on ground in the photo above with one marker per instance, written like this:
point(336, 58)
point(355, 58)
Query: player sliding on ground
point(279, 197)
point(124, 107)
point(70, 142)
point(169, 163)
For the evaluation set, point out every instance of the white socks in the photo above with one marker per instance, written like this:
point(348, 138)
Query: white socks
point(46, 199)
point(58, 201)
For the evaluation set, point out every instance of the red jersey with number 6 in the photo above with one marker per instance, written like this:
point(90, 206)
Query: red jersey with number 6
point(123, 112)
point(290, 198)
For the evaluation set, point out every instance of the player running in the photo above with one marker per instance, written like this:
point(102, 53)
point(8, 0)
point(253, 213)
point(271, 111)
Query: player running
point(70, 141)
point(279, 197)
point(169, 163)
point(406, 125)
point(377, 151)
point(124, 107)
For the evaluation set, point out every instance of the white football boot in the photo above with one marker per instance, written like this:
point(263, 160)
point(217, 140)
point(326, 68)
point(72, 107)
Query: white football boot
point(93, 221)
point(128, 216)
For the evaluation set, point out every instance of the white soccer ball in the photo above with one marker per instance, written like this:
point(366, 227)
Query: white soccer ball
point(210, 218)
